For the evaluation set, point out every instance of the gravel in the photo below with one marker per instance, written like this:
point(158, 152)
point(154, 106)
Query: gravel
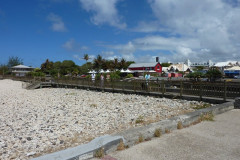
point(37, 122)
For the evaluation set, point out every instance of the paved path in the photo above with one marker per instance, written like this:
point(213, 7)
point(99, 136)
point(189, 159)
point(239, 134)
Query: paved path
point(218, 140)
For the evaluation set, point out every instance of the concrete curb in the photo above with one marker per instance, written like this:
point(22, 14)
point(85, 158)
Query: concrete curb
point(131, 137)
point(85, 151)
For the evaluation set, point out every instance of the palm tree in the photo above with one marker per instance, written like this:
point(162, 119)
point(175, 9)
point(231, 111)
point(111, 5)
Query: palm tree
point(123, 64)
point(98, 62)
point(86, 57)
point(115, 63)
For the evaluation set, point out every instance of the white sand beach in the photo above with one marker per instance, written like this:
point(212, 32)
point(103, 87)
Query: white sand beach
point(36, 122)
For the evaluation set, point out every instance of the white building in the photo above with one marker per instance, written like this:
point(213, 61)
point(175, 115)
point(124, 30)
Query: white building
point(209, 63)
point(21, 70)
point(180, 67)
point(227, 64)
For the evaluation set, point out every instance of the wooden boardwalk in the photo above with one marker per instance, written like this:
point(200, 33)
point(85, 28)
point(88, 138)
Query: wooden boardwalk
point(167, 92)
point(191, 90)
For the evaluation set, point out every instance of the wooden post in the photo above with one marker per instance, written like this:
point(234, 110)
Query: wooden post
point(123, 86)
point(88, 83)
point(181, 88)
point(163, 87)
point(200, 92)
point(134, 85)
point(225, 91)
point(112, 85)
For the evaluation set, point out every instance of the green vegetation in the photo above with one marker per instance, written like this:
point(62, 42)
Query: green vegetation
point(115, 75)
point(140, 138)
point(201, 106)
point(121, 146)
point(129, 76)
point(179, 125)
point(14, 61)
point(167, 130)
point(99, 153)
point(86, 57)
point(68, 67)
point(139, 120)
point(213, 73)
point(196, 75)
point(198, 68)
point(166, 64)
point(4, 70)
point(157, 132)
point(36, 73)
point(207, 117)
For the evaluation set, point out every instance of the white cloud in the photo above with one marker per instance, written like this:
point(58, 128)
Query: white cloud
point(69, 45)
point(57, 23)
point(145, 58)
point(206, 29)
point(104, 12)
point(157, 43)
point(80, 58)
point(72, 45)
point(77, 57)
point(108, 53)
point(126, 50)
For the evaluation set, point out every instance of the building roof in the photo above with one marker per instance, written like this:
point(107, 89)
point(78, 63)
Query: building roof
point(21, 66)
point(225, 64)
point(136, 65)
point(233, 68)
point(180, 67)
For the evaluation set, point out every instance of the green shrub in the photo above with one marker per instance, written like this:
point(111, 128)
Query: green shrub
point(99, 153)
point(201, 106)
point(139, 120)
point(207, 117)
point(129, 76)
point(140, 138)
point(179, 125)
point(114, 75)
point(88, 76)
point(121, 146)
point(157, 133)
point(36, 74)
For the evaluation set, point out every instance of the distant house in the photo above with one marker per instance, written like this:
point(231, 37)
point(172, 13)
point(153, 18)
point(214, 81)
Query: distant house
point(21, 70)
point(227, 64)
point(146, 67)
point(233, 71)
point(178, 67)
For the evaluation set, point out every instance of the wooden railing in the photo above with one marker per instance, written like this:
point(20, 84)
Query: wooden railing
point(202, 89)
point(222, 89)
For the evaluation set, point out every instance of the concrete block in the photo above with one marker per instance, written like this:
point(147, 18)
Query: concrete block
point(237, 103)
point(85, 151)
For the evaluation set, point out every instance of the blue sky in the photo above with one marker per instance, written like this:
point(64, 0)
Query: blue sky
point(138, 30)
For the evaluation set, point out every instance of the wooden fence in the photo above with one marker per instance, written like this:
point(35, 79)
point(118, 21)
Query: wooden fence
point(202, 89)
point(222, 89)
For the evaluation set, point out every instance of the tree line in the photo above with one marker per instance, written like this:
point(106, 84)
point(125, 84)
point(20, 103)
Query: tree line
point(68, 67)
point(12, 61)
